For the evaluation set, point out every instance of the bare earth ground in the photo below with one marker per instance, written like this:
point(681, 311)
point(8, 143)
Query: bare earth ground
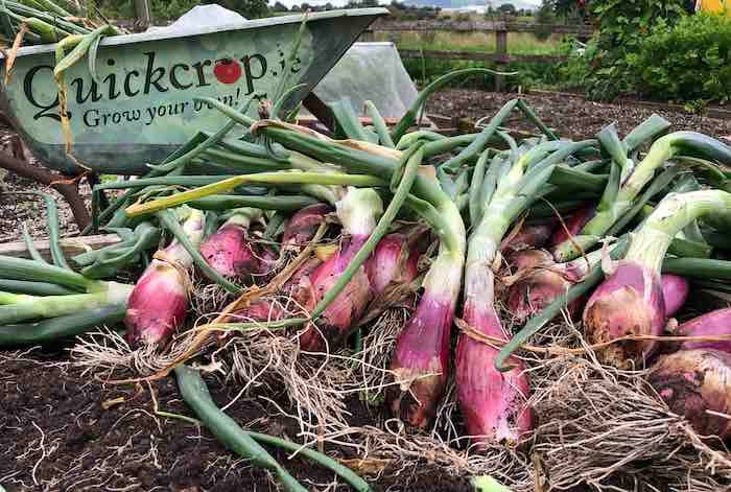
point(572, 117)
point(59, 428)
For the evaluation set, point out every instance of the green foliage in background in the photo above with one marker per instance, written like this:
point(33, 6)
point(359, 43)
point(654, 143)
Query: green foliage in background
point(688, 62)
point(663, 54)
point(622, 26)
point(425, 70)
point(172, 9)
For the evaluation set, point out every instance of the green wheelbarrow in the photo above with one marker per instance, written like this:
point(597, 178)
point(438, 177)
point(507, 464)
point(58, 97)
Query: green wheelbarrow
point(140, 106)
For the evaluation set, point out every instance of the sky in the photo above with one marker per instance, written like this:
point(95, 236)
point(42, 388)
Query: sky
point(289, 3)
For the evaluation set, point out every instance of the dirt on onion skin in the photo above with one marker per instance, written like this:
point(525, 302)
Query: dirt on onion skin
point(63, 430)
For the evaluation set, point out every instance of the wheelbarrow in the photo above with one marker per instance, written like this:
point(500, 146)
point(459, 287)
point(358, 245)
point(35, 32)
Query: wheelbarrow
point(141, 105)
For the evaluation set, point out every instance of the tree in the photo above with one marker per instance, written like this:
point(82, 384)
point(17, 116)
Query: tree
point(507, 9)
point(567, 9)
point(251, 9)
point(545, 16)
point(279, 7)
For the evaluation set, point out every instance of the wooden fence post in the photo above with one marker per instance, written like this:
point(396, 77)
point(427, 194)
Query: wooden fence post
point(367, 36)
point(501, 49)
point(142, 8)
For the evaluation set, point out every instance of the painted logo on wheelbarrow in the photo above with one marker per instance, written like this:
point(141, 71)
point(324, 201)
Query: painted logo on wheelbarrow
point(127, 87)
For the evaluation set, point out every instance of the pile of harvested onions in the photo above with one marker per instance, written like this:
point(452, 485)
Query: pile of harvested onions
point(338, 266)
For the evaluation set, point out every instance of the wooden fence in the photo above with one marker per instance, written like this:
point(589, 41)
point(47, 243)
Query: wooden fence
point(501, 28)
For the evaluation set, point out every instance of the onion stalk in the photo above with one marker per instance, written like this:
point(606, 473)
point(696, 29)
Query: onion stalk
point(16, 308)
point(627, 191)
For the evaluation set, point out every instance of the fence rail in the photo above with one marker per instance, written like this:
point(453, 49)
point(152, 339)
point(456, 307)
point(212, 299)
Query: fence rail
point(480, 56)
point(501, 28)
point(578, 30)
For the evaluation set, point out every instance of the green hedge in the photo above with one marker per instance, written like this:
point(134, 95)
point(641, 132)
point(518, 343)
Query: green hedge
point(687, 62)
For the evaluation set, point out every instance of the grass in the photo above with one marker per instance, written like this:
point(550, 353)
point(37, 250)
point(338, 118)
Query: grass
point(519, 43)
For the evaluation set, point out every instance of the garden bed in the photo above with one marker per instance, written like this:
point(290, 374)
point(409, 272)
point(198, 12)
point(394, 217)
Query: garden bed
point(70, 430)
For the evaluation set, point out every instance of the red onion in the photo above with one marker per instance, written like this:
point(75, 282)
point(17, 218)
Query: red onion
point(303, 225)
point(536, 290)
point(358, 211)
point(537, 285)
point(258, 310)
point(229, 253)
point(629, 302)
point(529, 259)
point(711, 324)
point(675, 291)
point(157, 305)
point(493, 403)
point(393, 261)
point(530, 236)
point(159, 300)
point(572, 226)
point(421, 361)
point(348, 306)
point(694, 383)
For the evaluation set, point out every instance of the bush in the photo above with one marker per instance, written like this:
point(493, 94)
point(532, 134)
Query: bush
point(622, 28)
point(690, 61)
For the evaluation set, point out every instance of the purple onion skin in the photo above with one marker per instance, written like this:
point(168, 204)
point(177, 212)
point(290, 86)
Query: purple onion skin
point(710, 324)
point(573, 225)
point(536, 290)
point(529, 259)
point(391, 263)
point(692, 382)
point(157, 305)
point(303, 225)
point(268, 262)
point(675, 291)
point(228, 252)
point(422, 348)
point(629, 302)
point(492, 403)
point(530, 236)
point(347, 308)
point(259, 310)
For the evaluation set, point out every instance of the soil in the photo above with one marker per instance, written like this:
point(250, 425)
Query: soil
point(570, 116)
point(63, 430)
point(18, 206)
